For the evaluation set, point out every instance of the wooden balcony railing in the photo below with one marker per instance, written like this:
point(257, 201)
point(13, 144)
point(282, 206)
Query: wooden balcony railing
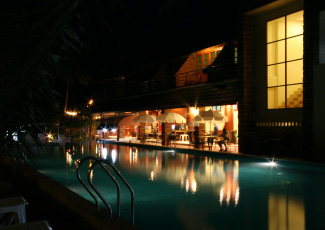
point(191, 78)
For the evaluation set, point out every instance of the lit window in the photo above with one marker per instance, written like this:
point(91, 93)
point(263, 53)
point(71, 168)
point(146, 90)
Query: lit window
point(235, 107)
point(206, 59)
point(236, 55)
point(285, 62)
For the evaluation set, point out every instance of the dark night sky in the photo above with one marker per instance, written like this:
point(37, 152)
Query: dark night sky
point(142, 32)
point(153, 30)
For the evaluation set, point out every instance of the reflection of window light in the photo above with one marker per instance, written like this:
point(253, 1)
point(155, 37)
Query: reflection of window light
point(190, 185)
point(69, 159)
point(221, 195)
point(134, 156)
point(228, 197)
point(173, 127)
point(104, 153)
point(194, 186)
point(152, 176)
point(187, 185)
point(237, 196)
point(113, 156)
point(113, 130)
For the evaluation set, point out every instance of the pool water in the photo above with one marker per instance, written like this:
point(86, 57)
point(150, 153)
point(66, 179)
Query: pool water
point(179, 190)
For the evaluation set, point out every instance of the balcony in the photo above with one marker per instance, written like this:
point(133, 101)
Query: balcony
point(191, 78)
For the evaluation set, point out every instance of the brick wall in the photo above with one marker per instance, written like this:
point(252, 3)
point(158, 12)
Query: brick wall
point(311, 49)
point(245, 101)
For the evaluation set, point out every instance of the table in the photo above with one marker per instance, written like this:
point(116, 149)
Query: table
point(184, 137)
point(14, 204)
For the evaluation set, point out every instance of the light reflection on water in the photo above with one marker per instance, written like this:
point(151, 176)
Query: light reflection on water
point(183, 191)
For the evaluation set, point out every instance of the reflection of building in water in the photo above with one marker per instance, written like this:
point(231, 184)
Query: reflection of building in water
point(133, 156)
point(92, 171)
point(285, 211)
point(68, 158)
point(230, 189)
point(191, 184)
point(189, 171)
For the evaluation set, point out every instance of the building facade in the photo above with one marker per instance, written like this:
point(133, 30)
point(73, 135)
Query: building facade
point(280, 57)
point(272, 71)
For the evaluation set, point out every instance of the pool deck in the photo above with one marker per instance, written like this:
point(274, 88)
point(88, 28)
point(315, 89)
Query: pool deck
point(232, 148)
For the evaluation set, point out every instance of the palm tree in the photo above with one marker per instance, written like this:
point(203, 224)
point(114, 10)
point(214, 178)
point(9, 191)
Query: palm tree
point(40, 44)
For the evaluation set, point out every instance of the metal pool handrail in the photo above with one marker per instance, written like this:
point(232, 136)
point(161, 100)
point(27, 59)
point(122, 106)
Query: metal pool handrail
point(118, 187)
point(101, 162)
point(98, 193)
point(83, 183)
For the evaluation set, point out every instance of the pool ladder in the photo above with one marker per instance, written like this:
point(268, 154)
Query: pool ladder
point(102, 163)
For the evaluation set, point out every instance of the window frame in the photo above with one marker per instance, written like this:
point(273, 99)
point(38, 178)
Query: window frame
point(285, 62)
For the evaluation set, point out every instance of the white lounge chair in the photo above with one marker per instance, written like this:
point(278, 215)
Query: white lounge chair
point(14, 205)
point(35, 225)
point(42, 137)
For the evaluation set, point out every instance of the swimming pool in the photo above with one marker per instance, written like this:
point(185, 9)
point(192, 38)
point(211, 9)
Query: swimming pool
point(178, 190)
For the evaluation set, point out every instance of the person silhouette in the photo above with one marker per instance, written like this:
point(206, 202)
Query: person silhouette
point(224, 140)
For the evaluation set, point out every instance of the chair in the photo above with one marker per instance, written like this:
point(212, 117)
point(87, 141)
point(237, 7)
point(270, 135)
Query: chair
point(184, 137)
point(225, 139)
point(210, 141)
point(42, 137)
point(14, 205)
point(191, 139)
point(62, 138)
point(143, 138)
point(171, 139)
point(195, 141)
point(231, 145)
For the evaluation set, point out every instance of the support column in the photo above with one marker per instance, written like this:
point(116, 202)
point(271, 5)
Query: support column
point(245, 110)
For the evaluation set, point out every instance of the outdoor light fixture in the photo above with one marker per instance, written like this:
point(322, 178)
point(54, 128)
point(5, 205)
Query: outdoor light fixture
point(194, 111)
point(91, 102)
point(113, 130)
point(272, 163)
point(71, 113)
point(104, 130)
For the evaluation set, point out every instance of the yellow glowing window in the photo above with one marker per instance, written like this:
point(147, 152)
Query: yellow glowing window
point(285, 62)
point(236, 55)
point(213, 56)
point(204, 60)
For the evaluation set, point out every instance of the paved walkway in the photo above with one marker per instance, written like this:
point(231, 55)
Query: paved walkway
point(232, 148)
